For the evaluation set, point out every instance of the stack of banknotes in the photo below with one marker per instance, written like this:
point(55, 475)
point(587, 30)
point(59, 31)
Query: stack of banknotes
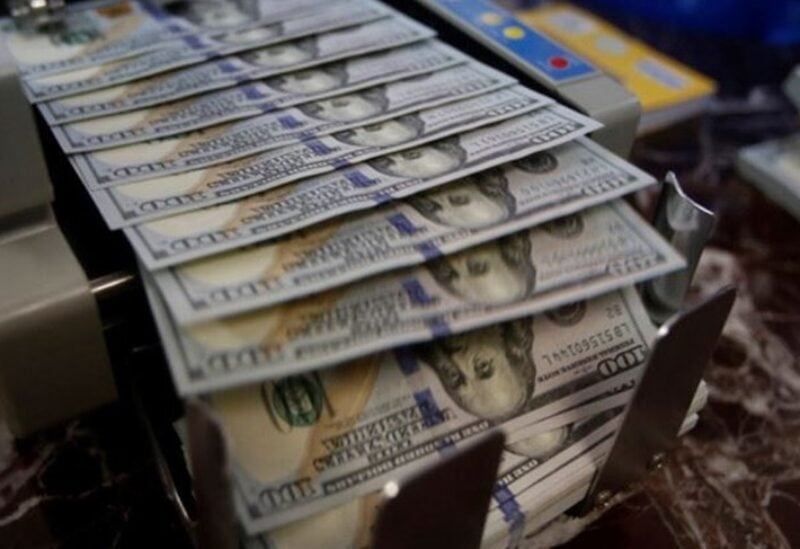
point(362, 248)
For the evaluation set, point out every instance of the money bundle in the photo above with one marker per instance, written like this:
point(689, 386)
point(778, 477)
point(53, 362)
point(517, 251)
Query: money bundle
point(362, 248)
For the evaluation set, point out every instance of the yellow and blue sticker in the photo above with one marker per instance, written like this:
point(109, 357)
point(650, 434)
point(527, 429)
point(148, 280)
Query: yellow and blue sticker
point(551, 60)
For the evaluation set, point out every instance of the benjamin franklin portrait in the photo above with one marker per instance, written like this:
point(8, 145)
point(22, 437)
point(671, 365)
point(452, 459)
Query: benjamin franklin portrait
point(475, 202)
point(282, 55)
point(383, 134)
point(494, 273)
point(567, 227)
point(348, 108)
point(537, 163)
point(542, 446)
point(317, 80)
point(488, 372)
point(423, 162)
point(567, 315)
point(210, 15)
point(251, 36)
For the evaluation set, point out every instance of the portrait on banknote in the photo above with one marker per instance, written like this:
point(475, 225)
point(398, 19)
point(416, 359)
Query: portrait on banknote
point(570, 226)
point(541, 446)
point(281, 55)
point(350, 107)
point(210, 14)
point(489, 372)
point(310, 81)
point(567, 315)
point(383, 134)
point(423, 162)
point(475, 202)
point(538, 163)
point(495, 273)
point(251, 35)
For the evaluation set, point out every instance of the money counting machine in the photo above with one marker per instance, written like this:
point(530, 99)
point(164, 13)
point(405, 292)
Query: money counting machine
point(76, 330)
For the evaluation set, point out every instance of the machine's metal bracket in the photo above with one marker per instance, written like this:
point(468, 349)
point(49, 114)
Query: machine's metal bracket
point(442, 506)
point(654, 416)
point(36, 14)
point(209, 459)
point(445, 505)
point(687, 226)
point(54, 362)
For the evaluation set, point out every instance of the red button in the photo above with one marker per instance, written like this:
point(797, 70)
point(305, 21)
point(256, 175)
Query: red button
point(559, 62)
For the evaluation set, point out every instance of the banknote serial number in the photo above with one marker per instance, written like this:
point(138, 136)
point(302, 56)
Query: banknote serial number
point(586, 344)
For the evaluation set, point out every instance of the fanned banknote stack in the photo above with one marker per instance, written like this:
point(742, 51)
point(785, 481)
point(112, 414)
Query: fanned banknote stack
point(362, 249)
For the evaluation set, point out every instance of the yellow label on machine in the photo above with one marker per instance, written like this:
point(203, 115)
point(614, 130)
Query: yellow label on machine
point(658, 81)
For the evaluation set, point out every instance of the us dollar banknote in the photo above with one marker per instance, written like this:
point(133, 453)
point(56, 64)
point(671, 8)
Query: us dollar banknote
point(104, 123)
point(192, 49)
point(350, 525)
point(305, 264)
point(211, 155)
point(86, 36)
point(517, 275)
point(529, 495)
point(441, 221)
point(608, 240)
point(308, 442)
point(220, 15)
point(98, 32)
point(284, 126)
point(552, 471)
point(260, 63)
point(526, 460)
point(774, 168)
point(311, 156)
point(267, 215)
point(542, 489)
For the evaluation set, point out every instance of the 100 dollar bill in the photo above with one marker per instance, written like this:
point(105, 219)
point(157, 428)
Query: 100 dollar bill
point(220, 15)
point(161, 196)
point(182, 237)
point(308, 442)
point(350, 525)
point(439, 222)
point(284, 126)
point(525, 499)
point(553, 486)
point(562, 261)
point(547, 468)
point(90, 35)
point(261, 63)
point(605, 240)
point(192, 49)
point(247, 99)
point(204, 164)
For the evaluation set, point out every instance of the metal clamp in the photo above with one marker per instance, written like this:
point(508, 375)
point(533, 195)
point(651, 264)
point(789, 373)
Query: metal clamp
point(54, 365)
point(654, 416)
point(36, 14)
point(687, 226)
point(445, 505)
point(209, 458)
